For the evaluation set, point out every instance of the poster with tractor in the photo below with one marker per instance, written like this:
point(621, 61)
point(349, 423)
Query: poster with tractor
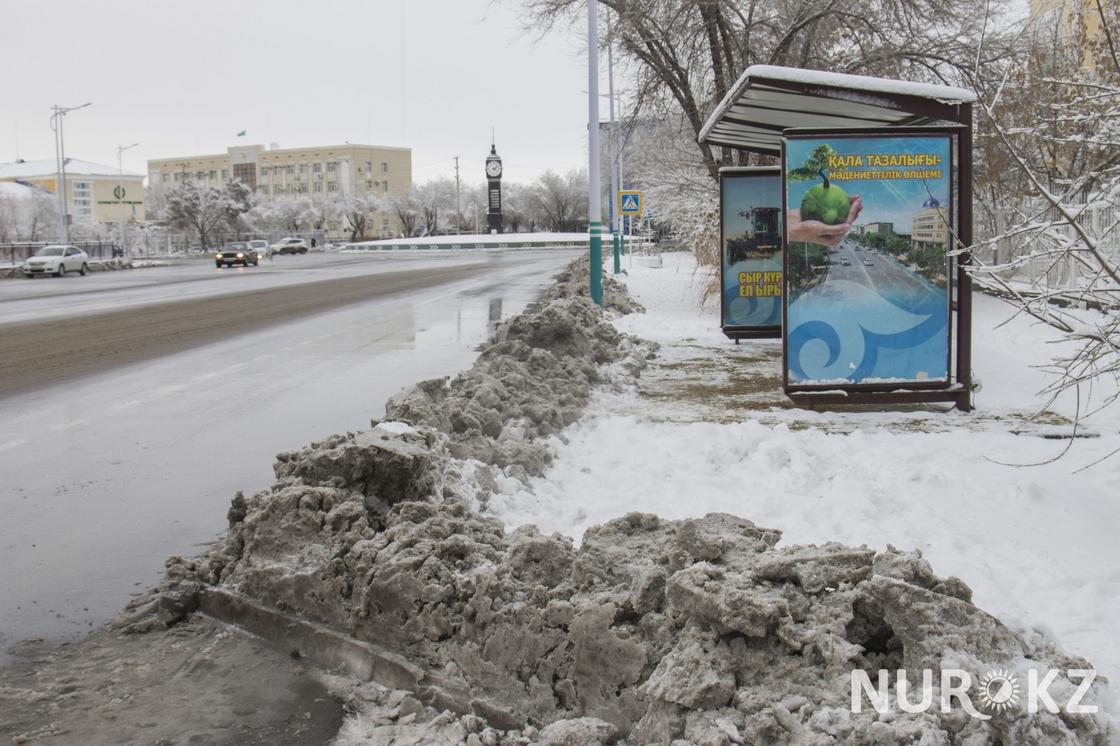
point(869, 225)
point(751, 247)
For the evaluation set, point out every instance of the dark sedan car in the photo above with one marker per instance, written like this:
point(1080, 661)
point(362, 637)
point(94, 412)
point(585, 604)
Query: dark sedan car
point(237, 253)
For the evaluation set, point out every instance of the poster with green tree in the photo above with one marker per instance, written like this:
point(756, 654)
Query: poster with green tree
point(868, 228)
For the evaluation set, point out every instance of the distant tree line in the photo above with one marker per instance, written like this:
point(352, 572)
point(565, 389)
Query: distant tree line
point(553, 202)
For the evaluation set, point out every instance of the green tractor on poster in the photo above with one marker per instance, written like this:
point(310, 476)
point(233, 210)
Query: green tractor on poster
point(762, 238)
point(825, 202)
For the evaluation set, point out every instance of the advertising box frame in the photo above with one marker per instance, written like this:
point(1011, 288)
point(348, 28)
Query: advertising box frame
point(740, 331)
point(949, 389)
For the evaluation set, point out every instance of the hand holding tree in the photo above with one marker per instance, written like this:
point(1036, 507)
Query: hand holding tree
point(818, 232)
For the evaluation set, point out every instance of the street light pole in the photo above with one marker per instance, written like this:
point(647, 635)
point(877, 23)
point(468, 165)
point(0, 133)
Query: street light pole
point(56, 125)
point(120, 187)
point(616, 239)
point(594, 211)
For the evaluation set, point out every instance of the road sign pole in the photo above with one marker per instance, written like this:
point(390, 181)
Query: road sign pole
point(594, 211)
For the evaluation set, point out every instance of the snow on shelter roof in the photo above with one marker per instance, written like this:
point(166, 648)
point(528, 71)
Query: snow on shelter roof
point(767, 100)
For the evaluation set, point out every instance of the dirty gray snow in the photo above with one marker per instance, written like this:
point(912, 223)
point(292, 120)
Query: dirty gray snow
point(704, 631)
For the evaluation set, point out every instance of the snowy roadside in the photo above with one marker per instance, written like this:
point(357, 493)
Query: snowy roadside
point(12, 271)
point(377, 558)
point(707, 429)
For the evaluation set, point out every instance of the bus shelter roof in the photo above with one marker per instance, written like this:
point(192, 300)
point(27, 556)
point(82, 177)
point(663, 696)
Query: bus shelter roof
point(767, 100)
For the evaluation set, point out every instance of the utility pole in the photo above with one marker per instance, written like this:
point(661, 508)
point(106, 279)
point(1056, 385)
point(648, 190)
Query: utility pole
point(60, 154)
point(458, 214)
point(594, 211)
point(616, 238)
point(622, 219)
point(120, 186)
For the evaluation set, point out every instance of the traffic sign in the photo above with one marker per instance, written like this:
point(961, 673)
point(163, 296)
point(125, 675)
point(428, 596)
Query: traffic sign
point(630, 202)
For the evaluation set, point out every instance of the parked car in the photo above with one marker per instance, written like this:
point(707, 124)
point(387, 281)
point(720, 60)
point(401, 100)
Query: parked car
point(56, 260)
point(237, 252)
point(290, 246)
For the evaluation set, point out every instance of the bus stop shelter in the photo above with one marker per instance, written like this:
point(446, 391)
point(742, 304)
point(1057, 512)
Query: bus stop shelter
point(767, 102)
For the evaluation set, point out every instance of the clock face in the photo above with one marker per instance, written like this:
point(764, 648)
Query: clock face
point(494, 168)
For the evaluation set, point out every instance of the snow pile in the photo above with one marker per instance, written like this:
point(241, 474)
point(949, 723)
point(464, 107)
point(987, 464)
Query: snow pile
point(533, 380)
point(94, 265)
point(651, 630)
point(574, 282)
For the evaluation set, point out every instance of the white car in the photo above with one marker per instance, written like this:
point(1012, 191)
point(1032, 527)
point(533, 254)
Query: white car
point(56, 260)
point(289, 246)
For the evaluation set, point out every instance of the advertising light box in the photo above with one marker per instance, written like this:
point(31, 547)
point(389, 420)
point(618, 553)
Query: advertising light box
point(869, 224)
point(751, 251)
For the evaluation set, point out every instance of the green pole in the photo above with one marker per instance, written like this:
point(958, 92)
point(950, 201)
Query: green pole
point(594, 210)
point(596, 262)
point(617, 241)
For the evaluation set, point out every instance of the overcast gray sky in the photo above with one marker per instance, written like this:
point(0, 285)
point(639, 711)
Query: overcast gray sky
point(182, 78)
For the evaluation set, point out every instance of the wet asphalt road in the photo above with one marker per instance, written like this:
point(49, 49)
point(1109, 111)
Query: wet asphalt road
point(134, 405)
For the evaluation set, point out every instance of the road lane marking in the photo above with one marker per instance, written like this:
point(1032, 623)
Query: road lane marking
point(11, 444)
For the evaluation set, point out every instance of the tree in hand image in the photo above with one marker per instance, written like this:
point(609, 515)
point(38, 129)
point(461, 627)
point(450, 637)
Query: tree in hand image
point(827, 212)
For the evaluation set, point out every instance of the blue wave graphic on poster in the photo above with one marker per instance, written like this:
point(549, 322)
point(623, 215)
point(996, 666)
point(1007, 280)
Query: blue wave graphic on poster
point(901, 338)
point(750, 311)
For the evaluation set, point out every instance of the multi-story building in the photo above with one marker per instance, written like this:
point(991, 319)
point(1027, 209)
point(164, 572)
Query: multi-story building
point(329, 170)
point(1077, 27)
point(930, 226)
point(885, 229)
point(93, 191)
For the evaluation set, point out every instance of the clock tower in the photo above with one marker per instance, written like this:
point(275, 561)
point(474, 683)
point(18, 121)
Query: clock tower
point(494, 191)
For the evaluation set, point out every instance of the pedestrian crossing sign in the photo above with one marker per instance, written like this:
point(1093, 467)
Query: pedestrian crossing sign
point(630, 202)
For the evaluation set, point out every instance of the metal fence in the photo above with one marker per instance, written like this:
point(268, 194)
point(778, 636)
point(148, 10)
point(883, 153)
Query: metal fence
point(1046, 270)
point(14, 253)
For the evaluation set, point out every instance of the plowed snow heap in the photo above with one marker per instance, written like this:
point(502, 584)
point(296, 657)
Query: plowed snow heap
point(651, 630)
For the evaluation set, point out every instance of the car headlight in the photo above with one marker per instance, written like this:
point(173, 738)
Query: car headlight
point(240, 255)
point(217, 256)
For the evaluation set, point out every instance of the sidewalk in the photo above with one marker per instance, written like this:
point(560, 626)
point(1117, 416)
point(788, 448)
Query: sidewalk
point(708, 429)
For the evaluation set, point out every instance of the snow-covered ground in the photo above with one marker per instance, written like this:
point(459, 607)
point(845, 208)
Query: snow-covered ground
point(707, 429)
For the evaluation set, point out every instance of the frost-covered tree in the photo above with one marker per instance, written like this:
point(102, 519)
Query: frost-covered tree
point(359, 210)
point(9, 218)
point(559, 203)
point(206, 210)
point(1048, 193)
point(42, 216)
point(406, 207)
point(318, 210)
point(683, 56)
point(515, 210)
point(436, 199)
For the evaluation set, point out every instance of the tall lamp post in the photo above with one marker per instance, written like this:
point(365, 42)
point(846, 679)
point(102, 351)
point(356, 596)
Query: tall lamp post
point(60, 154)
point(120, 190)
point(616, 234)
point(594, 211)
